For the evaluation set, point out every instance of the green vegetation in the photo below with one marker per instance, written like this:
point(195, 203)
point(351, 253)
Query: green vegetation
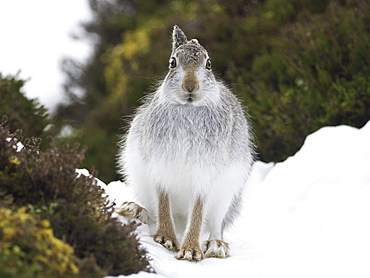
point(296, 65)
point(41, 187)
point(23, 113)
point(29, 249)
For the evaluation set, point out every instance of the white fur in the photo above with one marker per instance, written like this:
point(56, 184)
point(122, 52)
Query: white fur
point(190, 150)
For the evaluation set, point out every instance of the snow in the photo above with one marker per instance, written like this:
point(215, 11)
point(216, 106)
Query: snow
point(305, 217)
point(19, 146)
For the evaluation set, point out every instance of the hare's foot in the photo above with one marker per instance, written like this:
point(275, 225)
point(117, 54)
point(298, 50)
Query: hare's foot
point(215, 248)
point(190, 253)
point(133, 210)
point(167, 240)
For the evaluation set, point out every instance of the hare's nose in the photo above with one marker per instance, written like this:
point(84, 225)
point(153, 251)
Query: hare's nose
point(190, 87)
point(190, 84)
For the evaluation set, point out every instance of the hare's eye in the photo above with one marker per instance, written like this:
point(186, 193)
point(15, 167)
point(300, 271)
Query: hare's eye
point(173, 62)
point(208, 64)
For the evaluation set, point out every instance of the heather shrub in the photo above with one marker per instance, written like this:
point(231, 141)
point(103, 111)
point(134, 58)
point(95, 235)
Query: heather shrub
point(29, 249)
point(78, 210)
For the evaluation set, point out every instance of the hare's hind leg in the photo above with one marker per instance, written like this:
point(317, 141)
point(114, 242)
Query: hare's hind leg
point(190, 249)
point(165, 234)
point(222, 211)
point(133, 210)
point(215, 248)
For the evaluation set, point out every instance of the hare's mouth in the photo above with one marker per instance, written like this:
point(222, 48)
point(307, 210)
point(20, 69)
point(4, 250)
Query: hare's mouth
point(190, 98)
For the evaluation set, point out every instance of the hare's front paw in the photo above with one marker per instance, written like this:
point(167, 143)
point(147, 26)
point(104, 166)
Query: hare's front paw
point(193, 254)
point(168, 241)
point(133, 210)
point(215, 248)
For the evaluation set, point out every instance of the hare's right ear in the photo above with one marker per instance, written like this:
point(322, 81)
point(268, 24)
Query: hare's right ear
point(178, 38)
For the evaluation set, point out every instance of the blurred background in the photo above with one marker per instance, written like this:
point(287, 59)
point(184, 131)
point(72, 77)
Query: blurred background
point(296, 65)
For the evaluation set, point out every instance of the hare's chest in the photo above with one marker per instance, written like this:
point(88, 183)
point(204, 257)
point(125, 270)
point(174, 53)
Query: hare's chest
point(189, 137)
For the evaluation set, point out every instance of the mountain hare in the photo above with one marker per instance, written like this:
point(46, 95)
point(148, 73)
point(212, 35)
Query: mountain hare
point(187, 156)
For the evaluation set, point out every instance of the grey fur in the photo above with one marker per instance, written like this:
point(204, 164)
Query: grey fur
point(178, 38)
point(206, 128)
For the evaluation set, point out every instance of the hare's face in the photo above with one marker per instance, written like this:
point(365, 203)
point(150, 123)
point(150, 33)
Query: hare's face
point(190, 79)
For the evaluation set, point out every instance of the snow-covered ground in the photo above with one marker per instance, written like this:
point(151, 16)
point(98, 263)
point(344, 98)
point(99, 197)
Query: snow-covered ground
point(308, 216)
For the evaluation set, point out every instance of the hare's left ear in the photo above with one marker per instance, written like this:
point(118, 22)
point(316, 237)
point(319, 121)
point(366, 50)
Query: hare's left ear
point(178, 38)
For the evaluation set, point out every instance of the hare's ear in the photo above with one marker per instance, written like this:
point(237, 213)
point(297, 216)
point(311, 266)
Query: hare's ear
point(178, 38)
point(194, 41)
